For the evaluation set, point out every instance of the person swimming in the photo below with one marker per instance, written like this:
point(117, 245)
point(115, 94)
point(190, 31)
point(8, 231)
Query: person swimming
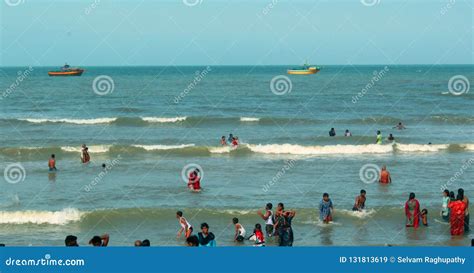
point(223, 141)
point(359, 204)
point(391, 138)
point(379, 138)
point(332, 132)
point(347, 133)
point(399, 126)
point(52, 163)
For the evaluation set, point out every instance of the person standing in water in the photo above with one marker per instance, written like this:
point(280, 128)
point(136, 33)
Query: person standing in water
point(444, 206)
point(185, 225)
point(412, 211)
point(223, 141)
point(347, 133)
point(379, 138)
point(325, 209)
point(385, 177)
point(283, 225)
point(457, 215)
point(391, 138)
point(268, 218)
point(231, 137)
point(52, 163)
point(359, 204)
point(194, 182)
point(332, 132)
point(85, 157)
point(465, 200)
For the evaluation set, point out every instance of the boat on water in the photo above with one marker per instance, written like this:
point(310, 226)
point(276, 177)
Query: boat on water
point(304, 70)
point(66, 70)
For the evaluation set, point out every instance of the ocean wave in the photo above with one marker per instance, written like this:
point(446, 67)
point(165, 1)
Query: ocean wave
point(61, 217)
point(163, 120)
point(294, 149)
point(71, 121)
point(243, 149)
point(249, 119)
point(163, 147)
point(263, 121)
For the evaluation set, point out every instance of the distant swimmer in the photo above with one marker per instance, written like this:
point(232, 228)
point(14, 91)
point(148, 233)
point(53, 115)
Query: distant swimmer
point(391, 138)
point(194, 182)
point(325, 209)
point(85, 157)
point(332, 132)
point(385, 177)
point(223, 141)
point(399, 126)
point(185, 225)
point(347, 133)
point(359, 204)
point(52, 163)
point(379, 138)
point(231, 137)
point(235, 142)
point(239, 235)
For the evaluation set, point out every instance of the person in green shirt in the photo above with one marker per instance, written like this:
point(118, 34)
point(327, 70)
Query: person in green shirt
point(379, 137)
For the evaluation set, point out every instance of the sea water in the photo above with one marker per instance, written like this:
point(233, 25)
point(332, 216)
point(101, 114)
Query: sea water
point(149, 123)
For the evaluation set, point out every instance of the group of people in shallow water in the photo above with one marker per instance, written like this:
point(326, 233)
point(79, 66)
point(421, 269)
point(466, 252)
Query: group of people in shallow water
point(378, 138)
point(230, 141)
point(277, 225)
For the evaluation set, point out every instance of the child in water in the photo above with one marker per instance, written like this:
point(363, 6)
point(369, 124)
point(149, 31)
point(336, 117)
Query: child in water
point(239, 231)
point(257, 236)
point(235, 142)
point(325, 209)
point(424, 217)
point(223, 141)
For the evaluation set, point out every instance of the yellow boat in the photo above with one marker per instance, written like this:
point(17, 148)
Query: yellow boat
point(305, 70)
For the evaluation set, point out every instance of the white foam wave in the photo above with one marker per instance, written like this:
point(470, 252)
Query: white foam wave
point(220, 150)
point(163, 120)
point(92, 149)
point(320, 150)
point(163, 147)
point(249, 119)
point(421, 147)
point(71, 121)
point(41, 217)
point(469, 147)
point(357, 214)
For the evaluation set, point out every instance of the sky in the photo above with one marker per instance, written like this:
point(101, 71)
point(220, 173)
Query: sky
point(233, 32)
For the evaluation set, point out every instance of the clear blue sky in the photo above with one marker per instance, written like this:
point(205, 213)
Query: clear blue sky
point(45, 32)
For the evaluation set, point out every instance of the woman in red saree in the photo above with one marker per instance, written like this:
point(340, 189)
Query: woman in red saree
point(458, 210)
point(412, 211)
